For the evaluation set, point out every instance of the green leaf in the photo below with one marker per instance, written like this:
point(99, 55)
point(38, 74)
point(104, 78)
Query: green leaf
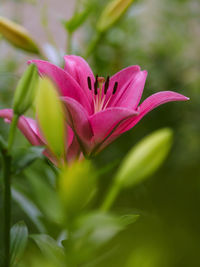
point(96, 229)
point(77, 20)
point(25, 157)
point(3, 144)
point(145, 158)
point(19, 237)
point(129, 219)
point(50, 249)
point(29, 208)
point(91, 232)
point(45, 198)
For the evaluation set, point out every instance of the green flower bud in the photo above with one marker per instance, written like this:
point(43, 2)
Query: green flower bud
point(25, 91)
point(17, 35)
point(77, 184)
point(112, 13)
point(51, 116)
point(145, 158)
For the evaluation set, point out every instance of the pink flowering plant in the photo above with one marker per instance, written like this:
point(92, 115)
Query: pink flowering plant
point(97, 110)
point(77, 114)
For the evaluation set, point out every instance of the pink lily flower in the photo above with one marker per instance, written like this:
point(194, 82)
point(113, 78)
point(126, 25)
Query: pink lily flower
point(31, 131)
point(100, 110)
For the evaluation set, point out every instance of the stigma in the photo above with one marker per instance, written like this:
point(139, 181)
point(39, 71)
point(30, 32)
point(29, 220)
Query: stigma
point(99, 90)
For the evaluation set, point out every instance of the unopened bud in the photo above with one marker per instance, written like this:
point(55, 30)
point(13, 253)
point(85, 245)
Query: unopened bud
point(112, 13)
point(51, 116)
point(77, 184)
point(25, 91)
point(145, 158)
point(17, 35)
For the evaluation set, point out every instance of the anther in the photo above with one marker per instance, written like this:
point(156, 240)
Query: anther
point(96, 85)
point(115, 87)
point(106, 85)
point(89, 83)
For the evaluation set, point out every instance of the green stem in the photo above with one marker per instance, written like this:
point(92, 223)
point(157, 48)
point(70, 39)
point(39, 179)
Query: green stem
point(69, 43)
point(111, 196)
point(13, 127)
point(7, 189)
point(7, 207)
point(70, 34)
point(93, 44)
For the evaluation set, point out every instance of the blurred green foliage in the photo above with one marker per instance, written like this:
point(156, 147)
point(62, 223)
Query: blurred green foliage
point(163, 38)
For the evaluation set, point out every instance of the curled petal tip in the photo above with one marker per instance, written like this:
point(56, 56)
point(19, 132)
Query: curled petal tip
point(7, 121)
point(183, 98)
point(137, 67)
point(31, 61)
point(145, 72)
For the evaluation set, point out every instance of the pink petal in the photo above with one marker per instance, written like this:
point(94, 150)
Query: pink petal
point(79, 69)
point(130, 98)
point(70, 150)
point(32, 123)
point(78, 121)
point(70, 135)
point(151, 103)
point(26, 125)
point(104, 122)
point(73, 151)
point(123, 77)
point(50, 156)
point(67, 85)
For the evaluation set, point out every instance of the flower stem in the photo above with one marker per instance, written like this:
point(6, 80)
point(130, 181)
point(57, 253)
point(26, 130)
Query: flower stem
point(93, 44)
point(12, 131)
point(69, 43)
point(110, 198)
point(7, 207)
point(7, 159)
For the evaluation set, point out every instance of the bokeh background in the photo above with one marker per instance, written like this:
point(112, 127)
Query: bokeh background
point(163, 37)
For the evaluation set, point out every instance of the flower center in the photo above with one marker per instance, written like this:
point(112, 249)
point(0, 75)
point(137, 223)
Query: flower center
point(99, 91)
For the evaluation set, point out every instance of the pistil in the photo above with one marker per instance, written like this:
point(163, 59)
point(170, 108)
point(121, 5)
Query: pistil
point(101, 81)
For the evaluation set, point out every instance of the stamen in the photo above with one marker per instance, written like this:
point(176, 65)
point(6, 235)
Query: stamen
point(106, 85)
point(100, 99)
point(115, 88)
point(89, 83)
point(101, 81)
point(96, 85)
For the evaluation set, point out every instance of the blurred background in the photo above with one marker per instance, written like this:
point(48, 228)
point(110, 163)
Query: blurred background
point(163, 37)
